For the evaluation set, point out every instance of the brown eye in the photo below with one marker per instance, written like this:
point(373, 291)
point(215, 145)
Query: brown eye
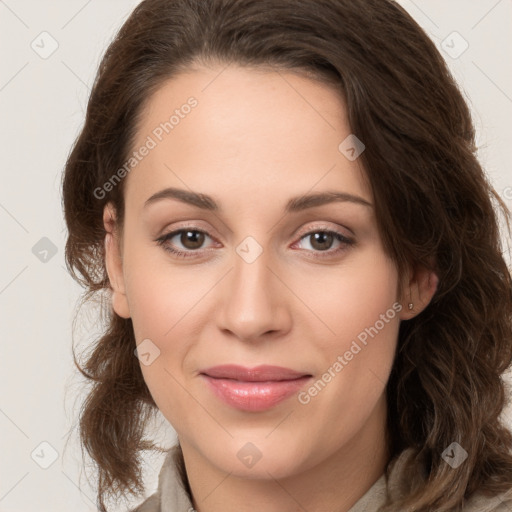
point(184, 242)
point(192, 239)
point(324, 243)
point(321, 240)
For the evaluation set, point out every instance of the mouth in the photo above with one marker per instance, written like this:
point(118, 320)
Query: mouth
point(253, 389)
point(260, 373)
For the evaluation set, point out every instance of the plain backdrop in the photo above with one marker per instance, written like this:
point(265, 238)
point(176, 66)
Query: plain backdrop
point(50, 51)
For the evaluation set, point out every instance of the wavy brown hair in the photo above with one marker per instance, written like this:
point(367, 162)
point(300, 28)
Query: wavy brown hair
point(435, 208)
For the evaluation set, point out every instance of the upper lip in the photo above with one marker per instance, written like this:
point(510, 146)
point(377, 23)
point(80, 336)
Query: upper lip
point(256, 374)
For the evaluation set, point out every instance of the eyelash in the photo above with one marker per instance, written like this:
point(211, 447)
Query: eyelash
point(346, 242)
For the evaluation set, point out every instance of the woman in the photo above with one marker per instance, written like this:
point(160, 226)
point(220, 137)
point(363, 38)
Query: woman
point(283, 201)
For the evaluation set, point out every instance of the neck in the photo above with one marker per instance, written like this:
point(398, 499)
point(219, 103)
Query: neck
point(337, 483)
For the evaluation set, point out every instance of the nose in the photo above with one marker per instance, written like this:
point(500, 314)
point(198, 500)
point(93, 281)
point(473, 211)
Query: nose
point(254, 301)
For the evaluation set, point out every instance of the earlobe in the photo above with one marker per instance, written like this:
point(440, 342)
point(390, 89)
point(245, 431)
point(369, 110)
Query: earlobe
point(114, 265)
point(422, 287)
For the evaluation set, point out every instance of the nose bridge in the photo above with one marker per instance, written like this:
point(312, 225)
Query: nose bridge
point(252, 304)
point(250, 277)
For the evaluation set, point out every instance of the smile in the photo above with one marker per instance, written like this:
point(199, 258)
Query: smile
point(255, 389)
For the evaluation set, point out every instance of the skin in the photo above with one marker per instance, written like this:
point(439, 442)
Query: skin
point(256, 139)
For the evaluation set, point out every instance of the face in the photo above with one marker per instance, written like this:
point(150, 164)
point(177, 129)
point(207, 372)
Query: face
point(256, 274)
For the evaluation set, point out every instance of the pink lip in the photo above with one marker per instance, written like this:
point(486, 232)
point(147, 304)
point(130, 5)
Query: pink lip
point(253, 389)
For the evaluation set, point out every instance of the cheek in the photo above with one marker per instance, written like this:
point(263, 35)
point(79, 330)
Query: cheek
point(357, 350)
point(354, 298)
point(362, 311)
point(165, 304)
point(162, 306)
point(159, 294)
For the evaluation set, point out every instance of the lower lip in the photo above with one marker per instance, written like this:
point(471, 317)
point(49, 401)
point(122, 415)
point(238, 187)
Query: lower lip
point(254, 396)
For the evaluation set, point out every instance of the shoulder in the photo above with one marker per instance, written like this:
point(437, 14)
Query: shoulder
point(151, 504)
point(406, 472)
point(171, 493)
point(480, 503)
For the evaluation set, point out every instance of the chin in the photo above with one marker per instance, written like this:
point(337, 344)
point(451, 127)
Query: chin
point(258, 458)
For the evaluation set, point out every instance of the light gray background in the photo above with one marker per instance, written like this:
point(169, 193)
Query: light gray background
point(42, 104)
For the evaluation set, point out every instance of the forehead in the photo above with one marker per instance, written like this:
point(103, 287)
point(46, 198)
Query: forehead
point(243, 128)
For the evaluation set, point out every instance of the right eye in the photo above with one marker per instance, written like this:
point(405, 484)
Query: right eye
point(191, 239)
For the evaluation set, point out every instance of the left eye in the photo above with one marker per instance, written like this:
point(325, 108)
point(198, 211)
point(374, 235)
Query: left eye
point(322, 241)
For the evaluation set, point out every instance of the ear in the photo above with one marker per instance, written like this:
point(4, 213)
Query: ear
point(114, 263)
point(418, 291)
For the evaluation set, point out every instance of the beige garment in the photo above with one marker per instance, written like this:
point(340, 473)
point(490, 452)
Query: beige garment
point(171, 496)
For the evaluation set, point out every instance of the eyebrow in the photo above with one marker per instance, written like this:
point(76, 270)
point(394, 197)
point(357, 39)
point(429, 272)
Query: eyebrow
point(294, 204)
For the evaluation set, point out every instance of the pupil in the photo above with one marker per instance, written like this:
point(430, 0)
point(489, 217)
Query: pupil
point(192, 239)
point(321, 238)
